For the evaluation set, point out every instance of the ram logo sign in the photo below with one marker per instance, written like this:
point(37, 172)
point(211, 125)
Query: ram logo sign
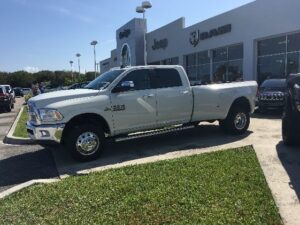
point(197, 36)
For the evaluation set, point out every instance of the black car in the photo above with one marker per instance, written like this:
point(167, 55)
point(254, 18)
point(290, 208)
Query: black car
point(6, 100)
point(19, 92)
point(291, 114)
point(271, 94)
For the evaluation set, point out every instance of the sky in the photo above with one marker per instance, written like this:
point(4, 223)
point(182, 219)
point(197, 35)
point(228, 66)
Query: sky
point(46, 34)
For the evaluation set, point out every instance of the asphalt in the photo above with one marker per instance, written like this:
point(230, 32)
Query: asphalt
point(19, 164)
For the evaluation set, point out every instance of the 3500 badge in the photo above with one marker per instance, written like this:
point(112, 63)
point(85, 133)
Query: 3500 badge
point(118, 107)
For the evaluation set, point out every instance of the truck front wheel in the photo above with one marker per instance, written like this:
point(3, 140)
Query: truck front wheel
point(85, 142)
point(237, 121)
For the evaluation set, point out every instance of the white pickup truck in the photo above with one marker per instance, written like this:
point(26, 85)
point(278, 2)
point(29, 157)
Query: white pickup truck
point(126, 101)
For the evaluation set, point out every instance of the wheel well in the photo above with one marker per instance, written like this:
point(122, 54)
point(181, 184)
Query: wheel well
point(86, 118)
point(241, 102)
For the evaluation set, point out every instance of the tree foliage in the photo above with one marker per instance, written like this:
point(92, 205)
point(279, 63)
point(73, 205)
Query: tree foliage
point(53, 78)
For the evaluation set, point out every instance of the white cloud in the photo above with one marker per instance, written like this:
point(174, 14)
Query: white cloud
point(31, 69)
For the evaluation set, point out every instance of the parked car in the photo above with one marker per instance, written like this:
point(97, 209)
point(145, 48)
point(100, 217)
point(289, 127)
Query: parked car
point(26, 91)
point(18, 92)
point(291, 114)
point(271, 94)
point(10, 91)
point(6, 100)
point(124, 103)
point(78, 85)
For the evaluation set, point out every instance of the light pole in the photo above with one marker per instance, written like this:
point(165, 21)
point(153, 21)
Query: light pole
point(71, 63)
point(142, 9)
point(94, 43)
point(78, 56)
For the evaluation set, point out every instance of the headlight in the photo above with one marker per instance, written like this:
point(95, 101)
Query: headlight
point(50, 115)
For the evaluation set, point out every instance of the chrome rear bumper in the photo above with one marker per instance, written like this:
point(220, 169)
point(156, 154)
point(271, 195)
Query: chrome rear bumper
point(45, 132)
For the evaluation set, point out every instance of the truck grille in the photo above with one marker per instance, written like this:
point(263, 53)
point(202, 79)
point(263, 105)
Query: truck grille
point(272, 96)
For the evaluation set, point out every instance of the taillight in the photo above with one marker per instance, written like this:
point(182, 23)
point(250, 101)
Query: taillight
point(257, 93)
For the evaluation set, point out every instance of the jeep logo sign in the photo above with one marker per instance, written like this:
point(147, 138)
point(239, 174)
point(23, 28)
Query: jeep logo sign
point(197, 36)
point(163, 43)
point(124, 34)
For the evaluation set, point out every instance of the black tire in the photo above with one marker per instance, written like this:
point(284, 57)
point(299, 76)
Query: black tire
point(83, 131)
point(289, 131)
point(8, 108)
point(13, 106)
point(237, 121)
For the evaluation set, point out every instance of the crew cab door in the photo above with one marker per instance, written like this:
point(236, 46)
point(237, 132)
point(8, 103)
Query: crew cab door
point(174, 97)
point(134, 109)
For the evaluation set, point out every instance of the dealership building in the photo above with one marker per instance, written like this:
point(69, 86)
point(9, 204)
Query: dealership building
point(256, 41)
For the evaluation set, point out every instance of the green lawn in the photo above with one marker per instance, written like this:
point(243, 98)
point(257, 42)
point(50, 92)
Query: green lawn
point(226, 187)
point(21, 130)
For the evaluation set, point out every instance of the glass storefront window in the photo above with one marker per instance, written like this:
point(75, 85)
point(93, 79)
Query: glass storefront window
point(294, 42)
point(293, 63)
point(226, 65)
point(235, 52)
point(203, 57)
point(235, 70)
point(272, 46)
point(191, 60)
point(204, 73)
point(278, 57)
point(219, 72)
point(170, 61)
point(192, 73)
point(154, 63)
point(271, 67)
point(220, 54)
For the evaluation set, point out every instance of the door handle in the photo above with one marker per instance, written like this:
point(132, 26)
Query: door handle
point(184, 92)
point(148, 96)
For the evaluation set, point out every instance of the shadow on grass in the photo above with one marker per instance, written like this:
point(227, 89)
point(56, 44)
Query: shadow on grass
point(290, 159)
point(199, 137)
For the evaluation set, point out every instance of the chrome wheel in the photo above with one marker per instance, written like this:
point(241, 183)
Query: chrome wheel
point(87, 143)
point(240, 121)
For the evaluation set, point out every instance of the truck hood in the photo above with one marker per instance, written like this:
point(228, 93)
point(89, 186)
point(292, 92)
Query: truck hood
point(45, 99)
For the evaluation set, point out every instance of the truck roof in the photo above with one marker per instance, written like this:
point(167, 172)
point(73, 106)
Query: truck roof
point(147, 67)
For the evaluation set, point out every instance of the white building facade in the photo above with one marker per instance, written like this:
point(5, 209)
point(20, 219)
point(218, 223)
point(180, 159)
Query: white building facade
point(256, 41)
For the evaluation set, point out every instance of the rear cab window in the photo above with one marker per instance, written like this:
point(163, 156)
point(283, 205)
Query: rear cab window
point(165, 78)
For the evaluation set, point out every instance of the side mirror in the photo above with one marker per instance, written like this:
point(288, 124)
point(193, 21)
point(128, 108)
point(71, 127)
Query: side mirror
point(124, 86)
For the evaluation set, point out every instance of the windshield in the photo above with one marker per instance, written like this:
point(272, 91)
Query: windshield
point(104, 80)
point(274, 85)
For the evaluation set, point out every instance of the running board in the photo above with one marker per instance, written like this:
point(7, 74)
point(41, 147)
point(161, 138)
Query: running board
point(152, 133)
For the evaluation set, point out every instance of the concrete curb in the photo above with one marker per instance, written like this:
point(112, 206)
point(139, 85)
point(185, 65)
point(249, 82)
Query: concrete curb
point(10, 139)
point(19, 187)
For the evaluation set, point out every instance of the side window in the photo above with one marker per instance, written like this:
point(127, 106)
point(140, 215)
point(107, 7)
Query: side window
point(140, 78)
point(165, 78)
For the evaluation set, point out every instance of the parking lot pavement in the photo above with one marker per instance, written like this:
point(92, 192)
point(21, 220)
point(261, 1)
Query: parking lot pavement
point(19, 164)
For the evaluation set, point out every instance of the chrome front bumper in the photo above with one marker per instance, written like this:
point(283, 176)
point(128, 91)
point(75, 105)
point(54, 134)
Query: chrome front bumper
point(45, 132)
